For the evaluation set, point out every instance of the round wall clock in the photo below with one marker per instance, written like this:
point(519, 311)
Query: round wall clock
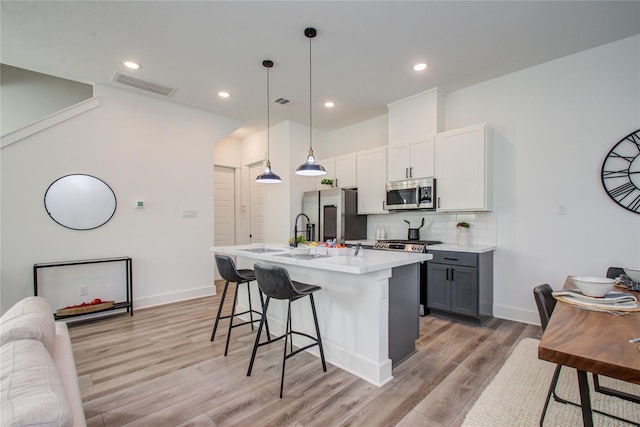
point(621, 172)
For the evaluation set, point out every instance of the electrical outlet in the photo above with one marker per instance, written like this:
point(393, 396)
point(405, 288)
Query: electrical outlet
point(84, 291)
point(189, 213)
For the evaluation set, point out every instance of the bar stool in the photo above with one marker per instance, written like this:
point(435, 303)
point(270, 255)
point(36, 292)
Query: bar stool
point(228, 271)
point(275, 282)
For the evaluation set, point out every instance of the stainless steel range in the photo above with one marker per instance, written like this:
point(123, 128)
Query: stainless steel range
point(419, 246)
point(404, 245)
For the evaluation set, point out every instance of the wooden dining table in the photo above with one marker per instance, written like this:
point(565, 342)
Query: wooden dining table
point(596, 342)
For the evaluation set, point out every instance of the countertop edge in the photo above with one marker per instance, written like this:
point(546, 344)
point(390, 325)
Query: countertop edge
point(335, 263)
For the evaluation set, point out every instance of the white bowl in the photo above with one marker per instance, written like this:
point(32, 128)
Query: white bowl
point(633, 273)
point(593, 286)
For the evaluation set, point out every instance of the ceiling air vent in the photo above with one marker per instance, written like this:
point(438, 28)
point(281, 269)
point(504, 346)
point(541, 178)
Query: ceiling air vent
point(158, 88)
point(282, 101)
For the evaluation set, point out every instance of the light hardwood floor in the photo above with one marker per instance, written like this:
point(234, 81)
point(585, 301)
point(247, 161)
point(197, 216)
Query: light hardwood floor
point(158, 368)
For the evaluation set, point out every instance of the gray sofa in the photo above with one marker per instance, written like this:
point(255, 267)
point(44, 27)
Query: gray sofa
point(39, 382)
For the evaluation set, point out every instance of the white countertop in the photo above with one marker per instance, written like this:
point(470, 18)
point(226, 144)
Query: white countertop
point(367, 261)
point(475, 249)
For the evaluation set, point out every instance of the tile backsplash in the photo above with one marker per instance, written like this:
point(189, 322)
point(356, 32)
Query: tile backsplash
point(437, 226)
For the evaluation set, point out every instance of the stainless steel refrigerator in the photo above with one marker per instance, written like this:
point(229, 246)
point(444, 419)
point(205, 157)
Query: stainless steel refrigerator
point(333, 215)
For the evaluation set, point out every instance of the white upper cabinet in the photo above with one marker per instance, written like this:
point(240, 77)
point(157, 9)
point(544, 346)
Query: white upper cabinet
point(464, 169)
point(416, 118)
point(371, 170)
point(412, 160)
point(341, 169)
point(345, 171)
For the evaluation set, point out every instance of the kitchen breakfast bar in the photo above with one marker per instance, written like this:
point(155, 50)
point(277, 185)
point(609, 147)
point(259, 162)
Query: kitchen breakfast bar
point(368, 308)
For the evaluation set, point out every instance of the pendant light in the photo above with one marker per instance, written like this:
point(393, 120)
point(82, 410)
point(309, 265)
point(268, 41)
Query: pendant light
point(268, 177)
point(311, 167)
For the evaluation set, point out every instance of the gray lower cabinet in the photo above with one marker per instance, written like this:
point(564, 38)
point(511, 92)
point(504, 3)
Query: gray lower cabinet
point(460, 285)
point(404, 307)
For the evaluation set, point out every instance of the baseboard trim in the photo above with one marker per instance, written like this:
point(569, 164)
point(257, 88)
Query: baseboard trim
point(516, 314)
point(154, 300)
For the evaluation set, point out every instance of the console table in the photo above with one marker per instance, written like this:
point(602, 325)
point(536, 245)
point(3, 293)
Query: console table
point(128, 281)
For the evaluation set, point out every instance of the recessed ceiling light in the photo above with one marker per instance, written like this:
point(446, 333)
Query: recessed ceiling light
point(132, 65)
point(329, 104)
point(420, 67)
point(224, 94)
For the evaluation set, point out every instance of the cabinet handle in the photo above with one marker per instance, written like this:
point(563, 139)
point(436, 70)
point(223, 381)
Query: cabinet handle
point(447, 274)
point(452, 279)
point(411, 172)
point(384, 205)
point(337, 186)
point(406, 172)
point(438, 202)
point(451, 259)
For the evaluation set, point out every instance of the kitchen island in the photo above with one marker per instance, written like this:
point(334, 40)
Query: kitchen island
point(368, 309)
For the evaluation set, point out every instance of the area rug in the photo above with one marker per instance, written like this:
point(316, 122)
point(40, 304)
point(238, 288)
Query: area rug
point(516, 395)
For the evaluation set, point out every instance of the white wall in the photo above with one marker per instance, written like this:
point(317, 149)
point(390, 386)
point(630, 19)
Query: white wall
point(358, 137)
point(289, 146)
point(144, 149)
point(27, 96)
point(228, 152)
point(553, 126)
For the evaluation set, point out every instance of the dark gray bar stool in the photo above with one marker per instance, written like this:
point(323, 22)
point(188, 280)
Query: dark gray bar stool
point(228, 271)
point(275, 282)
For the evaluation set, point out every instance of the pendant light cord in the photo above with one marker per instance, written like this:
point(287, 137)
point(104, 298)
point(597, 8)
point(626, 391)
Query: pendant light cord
point(310, 103)
point(268, 117)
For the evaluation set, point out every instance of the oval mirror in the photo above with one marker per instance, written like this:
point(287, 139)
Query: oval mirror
point(80, 202)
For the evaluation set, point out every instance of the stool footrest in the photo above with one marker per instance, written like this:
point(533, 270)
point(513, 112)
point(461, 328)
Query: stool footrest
point(240, 314)
point(300, 349)
point(272, 340)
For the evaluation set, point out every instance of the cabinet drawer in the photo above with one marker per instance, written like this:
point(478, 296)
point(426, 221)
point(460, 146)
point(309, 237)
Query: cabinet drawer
point(455, 258)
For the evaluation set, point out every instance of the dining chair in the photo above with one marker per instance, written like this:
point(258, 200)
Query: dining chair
point(543, 295)
point(613, 272)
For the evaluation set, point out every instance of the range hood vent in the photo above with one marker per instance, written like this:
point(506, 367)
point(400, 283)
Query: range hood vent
point(158, 88)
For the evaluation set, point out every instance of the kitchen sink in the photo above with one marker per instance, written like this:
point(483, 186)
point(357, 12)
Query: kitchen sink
point(262, 250)
point(304, 256)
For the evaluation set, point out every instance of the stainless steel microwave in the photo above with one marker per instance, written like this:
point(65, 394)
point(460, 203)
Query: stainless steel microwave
point(411, 194)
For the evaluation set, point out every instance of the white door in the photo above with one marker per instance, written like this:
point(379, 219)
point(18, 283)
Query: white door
point(256, 205)
point(224, 206)
point(224, 224)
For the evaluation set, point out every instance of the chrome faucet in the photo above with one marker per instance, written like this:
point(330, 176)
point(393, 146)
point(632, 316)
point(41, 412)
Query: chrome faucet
point(295, 228)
